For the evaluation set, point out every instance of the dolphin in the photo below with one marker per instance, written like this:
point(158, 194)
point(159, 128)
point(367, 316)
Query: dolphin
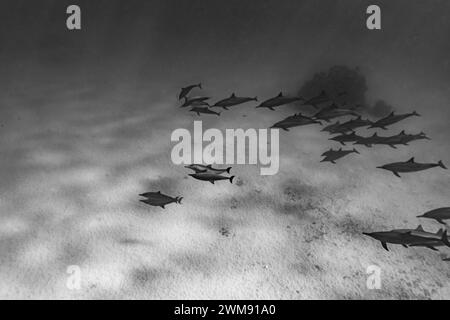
point(369, 141)
point(406, 138)
point(343, 138)
point(185, 91)
point(331, 128)
point(332, 156)
point(332, 112)
point(401, 139)
point(294, 121)
point(158, 199)
point(233, 100)
point(410, 166)
point(437, 214)
point(407, 238)
point(315, 101)
point(197, 101)
point(431, 240)
point(356, 123)
point(199, 168)
point(278, 101)
point(204, 110)
point(428, 239)
point(211, 177)
point(327, 152)
point(391, 119)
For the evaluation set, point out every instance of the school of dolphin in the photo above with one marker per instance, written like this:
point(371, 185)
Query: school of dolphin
point(343, 133)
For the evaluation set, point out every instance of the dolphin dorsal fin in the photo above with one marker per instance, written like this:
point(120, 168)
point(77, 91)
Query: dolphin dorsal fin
point(340, 149)
point(375, 135)
point(159, 192)
point(391, 114)
point(280, 94)
point(411, 160)
point(209, 166)
point(233, 95)
point(419, 228)
point(403, 132)
point(440, 232)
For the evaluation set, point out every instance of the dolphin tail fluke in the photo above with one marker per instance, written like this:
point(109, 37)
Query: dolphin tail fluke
point(444, 239)
point(231, 179)
point(255, 98)
point(200, 86)
point(416, 114)
point(441, 164)
point(355, 151)
point(229, 169)
point(179, 199)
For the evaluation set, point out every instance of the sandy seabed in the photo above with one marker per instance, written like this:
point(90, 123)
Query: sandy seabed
point(71, 177)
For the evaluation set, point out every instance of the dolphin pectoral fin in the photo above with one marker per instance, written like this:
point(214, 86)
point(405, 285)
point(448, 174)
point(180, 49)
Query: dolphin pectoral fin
point(342, 143)
point(392, 146)
point(432, 248)
point(198, 113)
point(332, 161)
point(404, 246)
point(384, 246)
point(440, 221)
point(212, 182)
point(396, 173)
point(271, 108)
point(163, 207)
point(285, 129)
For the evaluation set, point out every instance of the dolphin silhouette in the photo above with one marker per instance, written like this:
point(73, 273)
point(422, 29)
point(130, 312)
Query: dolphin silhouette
point(185, 91)
point(158, 199)
point(295, 121)
point(199, 168)
point(278, 101)
point(233, 100)
point(439, 214)
point(332, 155)
point(204, 110)
point(211, 177)
point(410, 166)
point(391, 119)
